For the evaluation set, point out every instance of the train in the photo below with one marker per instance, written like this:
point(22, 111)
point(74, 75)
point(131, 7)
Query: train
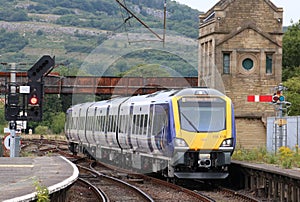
point(185, 133)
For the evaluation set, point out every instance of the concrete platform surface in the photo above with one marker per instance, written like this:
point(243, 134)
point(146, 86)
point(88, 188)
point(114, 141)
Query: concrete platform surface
point(19, 175)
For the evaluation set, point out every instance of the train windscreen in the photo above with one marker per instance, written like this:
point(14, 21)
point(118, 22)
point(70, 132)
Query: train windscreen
point(202, 114)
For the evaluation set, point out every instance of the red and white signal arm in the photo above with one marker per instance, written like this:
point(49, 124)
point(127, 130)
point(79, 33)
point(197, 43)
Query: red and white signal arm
point(260, 98)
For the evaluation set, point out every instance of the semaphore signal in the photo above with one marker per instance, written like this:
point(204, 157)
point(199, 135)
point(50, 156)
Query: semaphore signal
point(260, 98)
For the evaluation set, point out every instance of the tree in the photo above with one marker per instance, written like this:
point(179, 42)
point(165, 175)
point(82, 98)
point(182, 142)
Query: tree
point(291, 66)
point(291, 54)
point(293, 95)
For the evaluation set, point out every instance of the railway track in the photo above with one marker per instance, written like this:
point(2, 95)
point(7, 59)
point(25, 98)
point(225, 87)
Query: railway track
point(88, 188)
point(151, 189)
point(108, 186)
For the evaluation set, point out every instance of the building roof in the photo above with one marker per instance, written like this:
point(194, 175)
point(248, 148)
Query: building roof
point(249, 26)
point(223, 4)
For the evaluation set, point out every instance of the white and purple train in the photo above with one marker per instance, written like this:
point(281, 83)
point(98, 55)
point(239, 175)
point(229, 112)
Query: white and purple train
point(188, 133)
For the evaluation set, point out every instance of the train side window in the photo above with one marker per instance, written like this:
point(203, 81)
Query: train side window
point(93, 123)
point(134, 124)
point(74, 122)
point(120, 123)
point(145, 125)
point(88, 123)
point(109, 124)
point(82, 122)
point(98, 123)
point(103, 118)
point(114, 123)
point(101, 123)
point(79, 123)
point(141, 124)
point(126, 123)
point(104, 123)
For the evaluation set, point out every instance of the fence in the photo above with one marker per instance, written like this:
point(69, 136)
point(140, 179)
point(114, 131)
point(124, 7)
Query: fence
point(283, 132)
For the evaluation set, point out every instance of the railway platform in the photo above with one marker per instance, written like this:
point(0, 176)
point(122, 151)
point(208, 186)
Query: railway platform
point(20, 176)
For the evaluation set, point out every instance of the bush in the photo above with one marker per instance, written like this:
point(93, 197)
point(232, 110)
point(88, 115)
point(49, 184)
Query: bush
point(58, 123)
point(42, 130)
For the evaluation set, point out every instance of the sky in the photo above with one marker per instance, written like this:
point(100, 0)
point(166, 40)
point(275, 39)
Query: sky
point(290, 8)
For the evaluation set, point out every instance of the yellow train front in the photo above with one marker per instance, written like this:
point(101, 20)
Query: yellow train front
point(188, 133)
point(205, 134)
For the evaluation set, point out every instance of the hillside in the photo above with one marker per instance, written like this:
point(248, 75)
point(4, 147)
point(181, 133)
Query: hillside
point(72, 29)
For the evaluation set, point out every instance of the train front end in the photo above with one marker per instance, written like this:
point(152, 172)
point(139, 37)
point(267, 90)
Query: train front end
point(205, 134)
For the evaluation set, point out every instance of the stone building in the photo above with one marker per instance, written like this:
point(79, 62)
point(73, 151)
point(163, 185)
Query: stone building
point(240, 51)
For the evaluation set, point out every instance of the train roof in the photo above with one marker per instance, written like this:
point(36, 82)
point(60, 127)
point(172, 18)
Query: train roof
point(165, 95)
point(157, 97)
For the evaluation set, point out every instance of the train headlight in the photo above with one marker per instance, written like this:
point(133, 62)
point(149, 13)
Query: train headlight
point(227, 143)
point(180, 143)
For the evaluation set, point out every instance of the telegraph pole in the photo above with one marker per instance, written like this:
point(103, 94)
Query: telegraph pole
point(14, 152)
point(281, 106)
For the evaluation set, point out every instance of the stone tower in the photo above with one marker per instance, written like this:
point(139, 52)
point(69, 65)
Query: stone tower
point(240, 50)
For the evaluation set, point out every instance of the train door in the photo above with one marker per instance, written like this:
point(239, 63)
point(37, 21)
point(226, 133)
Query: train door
point(159, 127)
point(124, 127)
point(142, 124)
point(74, 131)
point(100, 129)
point(81, 122)
point(112, 120)
point(90, 124)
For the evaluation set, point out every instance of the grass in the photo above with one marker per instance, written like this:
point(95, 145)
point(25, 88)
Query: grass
point(285, 157)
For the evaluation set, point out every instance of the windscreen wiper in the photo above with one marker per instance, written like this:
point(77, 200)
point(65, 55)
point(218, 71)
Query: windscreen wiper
point(189, 121)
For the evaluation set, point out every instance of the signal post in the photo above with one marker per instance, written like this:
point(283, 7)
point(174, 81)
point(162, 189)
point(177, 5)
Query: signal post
point(24, 102)
point(281, 106)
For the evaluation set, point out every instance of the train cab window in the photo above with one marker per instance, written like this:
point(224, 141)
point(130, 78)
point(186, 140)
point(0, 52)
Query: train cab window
point(202, 114)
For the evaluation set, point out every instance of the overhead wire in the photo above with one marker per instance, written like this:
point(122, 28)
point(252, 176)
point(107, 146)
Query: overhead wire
point(132, 15)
